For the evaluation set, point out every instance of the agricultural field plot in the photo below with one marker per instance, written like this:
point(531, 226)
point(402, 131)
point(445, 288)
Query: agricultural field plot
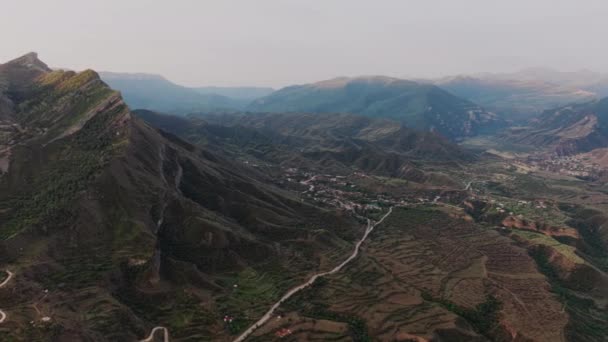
point(426, 273)
point(254, 291)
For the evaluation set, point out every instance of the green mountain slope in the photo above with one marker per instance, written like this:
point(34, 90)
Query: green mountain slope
point(112, 227)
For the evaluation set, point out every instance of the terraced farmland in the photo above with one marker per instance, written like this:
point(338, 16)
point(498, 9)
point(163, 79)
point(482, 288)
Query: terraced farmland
point(426, 273)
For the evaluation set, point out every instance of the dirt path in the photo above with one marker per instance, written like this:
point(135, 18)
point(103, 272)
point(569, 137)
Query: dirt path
point(178, 178)
point(267, 316)
point(3, 314)
point(161, 157)
point(154, 330)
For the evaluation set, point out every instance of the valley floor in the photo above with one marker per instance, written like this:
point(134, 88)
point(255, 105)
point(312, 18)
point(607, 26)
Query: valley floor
point(466, 263)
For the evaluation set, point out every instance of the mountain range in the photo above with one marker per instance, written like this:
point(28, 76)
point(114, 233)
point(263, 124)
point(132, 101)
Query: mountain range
point(515, 97)
point(418, 106)
point(154, 92)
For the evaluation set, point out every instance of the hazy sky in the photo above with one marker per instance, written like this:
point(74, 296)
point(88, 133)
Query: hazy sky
point(279, 42)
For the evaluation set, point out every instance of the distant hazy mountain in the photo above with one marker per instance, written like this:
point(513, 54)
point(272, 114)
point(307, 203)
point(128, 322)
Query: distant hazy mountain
point(581, 78)
point(526, 93)
point(515, 98)
point(241, 93)
point(154, 92)
point(420, 106)
point(569, 129)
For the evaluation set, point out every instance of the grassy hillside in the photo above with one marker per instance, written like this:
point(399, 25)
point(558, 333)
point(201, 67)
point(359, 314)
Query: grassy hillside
point(334, 142)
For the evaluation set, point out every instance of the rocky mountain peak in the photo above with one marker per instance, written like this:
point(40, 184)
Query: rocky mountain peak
point(49, 105)
point(30, 61)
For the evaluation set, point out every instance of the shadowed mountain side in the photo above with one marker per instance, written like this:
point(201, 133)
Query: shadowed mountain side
point(340, 141)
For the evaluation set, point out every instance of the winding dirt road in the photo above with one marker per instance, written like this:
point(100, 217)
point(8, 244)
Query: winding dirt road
point(3, 314)
point(154, 330)
point(267, 316)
